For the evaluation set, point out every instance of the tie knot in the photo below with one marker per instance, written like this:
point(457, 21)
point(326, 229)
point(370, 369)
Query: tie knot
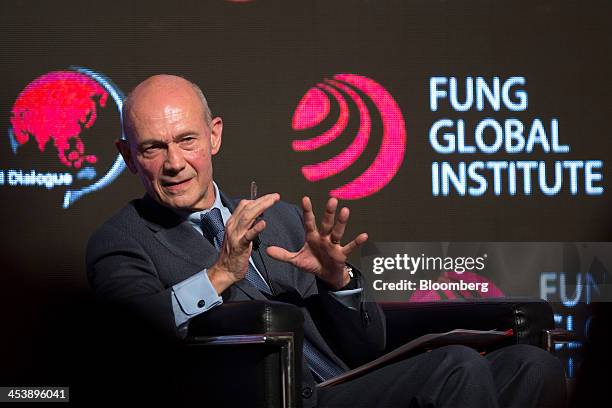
point(212, 224)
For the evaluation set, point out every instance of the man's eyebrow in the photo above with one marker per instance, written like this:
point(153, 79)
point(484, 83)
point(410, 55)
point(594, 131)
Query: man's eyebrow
point(184, 134)
point(151, 142)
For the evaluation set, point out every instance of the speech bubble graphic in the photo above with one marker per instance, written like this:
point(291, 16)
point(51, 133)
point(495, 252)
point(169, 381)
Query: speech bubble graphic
point(56, 108)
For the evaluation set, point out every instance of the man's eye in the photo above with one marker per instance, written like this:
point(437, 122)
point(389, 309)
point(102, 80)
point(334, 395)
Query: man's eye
point(188, 141)
point(150, 150)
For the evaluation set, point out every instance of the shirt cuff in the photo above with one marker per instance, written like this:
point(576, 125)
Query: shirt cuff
point(350, 298)
point(193, 296)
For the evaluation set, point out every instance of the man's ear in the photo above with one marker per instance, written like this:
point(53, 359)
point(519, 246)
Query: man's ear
point(216, 129)
point(124, 148)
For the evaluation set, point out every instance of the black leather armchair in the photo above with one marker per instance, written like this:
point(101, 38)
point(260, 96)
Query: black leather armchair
point(530, 319)
point(257, 349)
point(257, 346)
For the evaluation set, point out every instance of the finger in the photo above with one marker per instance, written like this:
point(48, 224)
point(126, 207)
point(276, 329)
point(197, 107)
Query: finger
point(233, 219)
point(280, 254)
point(338, 231)
point(262, 202)
point(310, 223)
point(354, 244)
point(328, 217)
point(253, 209)
point(252, 233)
point(256, 207)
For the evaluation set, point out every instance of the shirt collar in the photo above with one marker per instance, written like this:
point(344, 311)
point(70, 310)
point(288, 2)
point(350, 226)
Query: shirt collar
point(195, 216)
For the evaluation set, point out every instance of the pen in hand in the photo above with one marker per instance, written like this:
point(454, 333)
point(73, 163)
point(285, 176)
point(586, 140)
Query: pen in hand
point(253, 190)
point(253, 195)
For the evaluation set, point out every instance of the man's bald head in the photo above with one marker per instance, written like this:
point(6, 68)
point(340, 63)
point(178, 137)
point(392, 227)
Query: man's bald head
point(160, 86)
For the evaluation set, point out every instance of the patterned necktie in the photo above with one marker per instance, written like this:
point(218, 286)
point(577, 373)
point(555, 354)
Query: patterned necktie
point(214, 229)
point(322, 367)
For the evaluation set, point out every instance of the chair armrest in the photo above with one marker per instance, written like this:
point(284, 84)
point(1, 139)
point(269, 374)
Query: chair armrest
point(528, 318)
point(244, 354)
point(248, 317)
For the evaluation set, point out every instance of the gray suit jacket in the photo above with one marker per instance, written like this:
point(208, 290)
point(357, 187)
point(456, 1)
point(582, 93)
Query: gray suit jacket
point(140, 253)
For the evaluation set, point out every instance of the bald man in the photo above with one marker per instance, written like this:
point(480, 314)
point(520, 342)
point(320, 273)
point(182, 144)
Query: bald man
point(185, 248)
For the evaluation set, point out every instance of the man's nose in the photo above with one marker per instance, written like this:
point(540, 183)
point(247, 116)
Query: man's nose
point(175, 162)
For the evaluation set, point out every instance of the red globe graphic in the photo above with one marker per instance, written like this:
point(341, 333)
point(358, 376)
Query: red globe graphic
point(56, 107)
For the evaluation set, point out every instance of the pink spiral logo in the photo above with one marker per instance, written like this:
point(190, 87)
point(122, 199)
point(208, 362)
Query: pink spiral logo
point(314, 107)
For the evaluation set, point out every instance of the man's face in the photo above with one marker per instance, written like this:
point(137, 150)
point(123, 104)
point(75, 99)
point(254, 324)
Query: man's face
point(170, 148)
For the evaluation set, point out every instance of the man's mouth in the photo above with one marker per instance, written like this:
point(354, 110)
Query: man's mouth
point(175, 185)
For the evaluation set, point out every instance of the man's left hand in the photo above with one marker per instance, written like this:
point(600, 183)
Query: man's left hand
point(322, 254)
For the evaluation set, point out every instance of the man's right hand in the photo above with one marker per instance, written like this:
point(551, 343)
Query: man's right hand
point(240, 231)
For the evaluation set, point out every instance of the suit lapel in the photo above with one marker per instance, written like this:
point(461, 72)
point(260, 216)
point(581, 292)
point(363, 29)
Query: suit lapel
point(180, 238)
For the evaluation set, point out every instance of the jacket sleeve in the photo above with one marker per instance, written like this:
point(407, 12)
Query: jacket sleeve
point(124, 278)
point(356, 336)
